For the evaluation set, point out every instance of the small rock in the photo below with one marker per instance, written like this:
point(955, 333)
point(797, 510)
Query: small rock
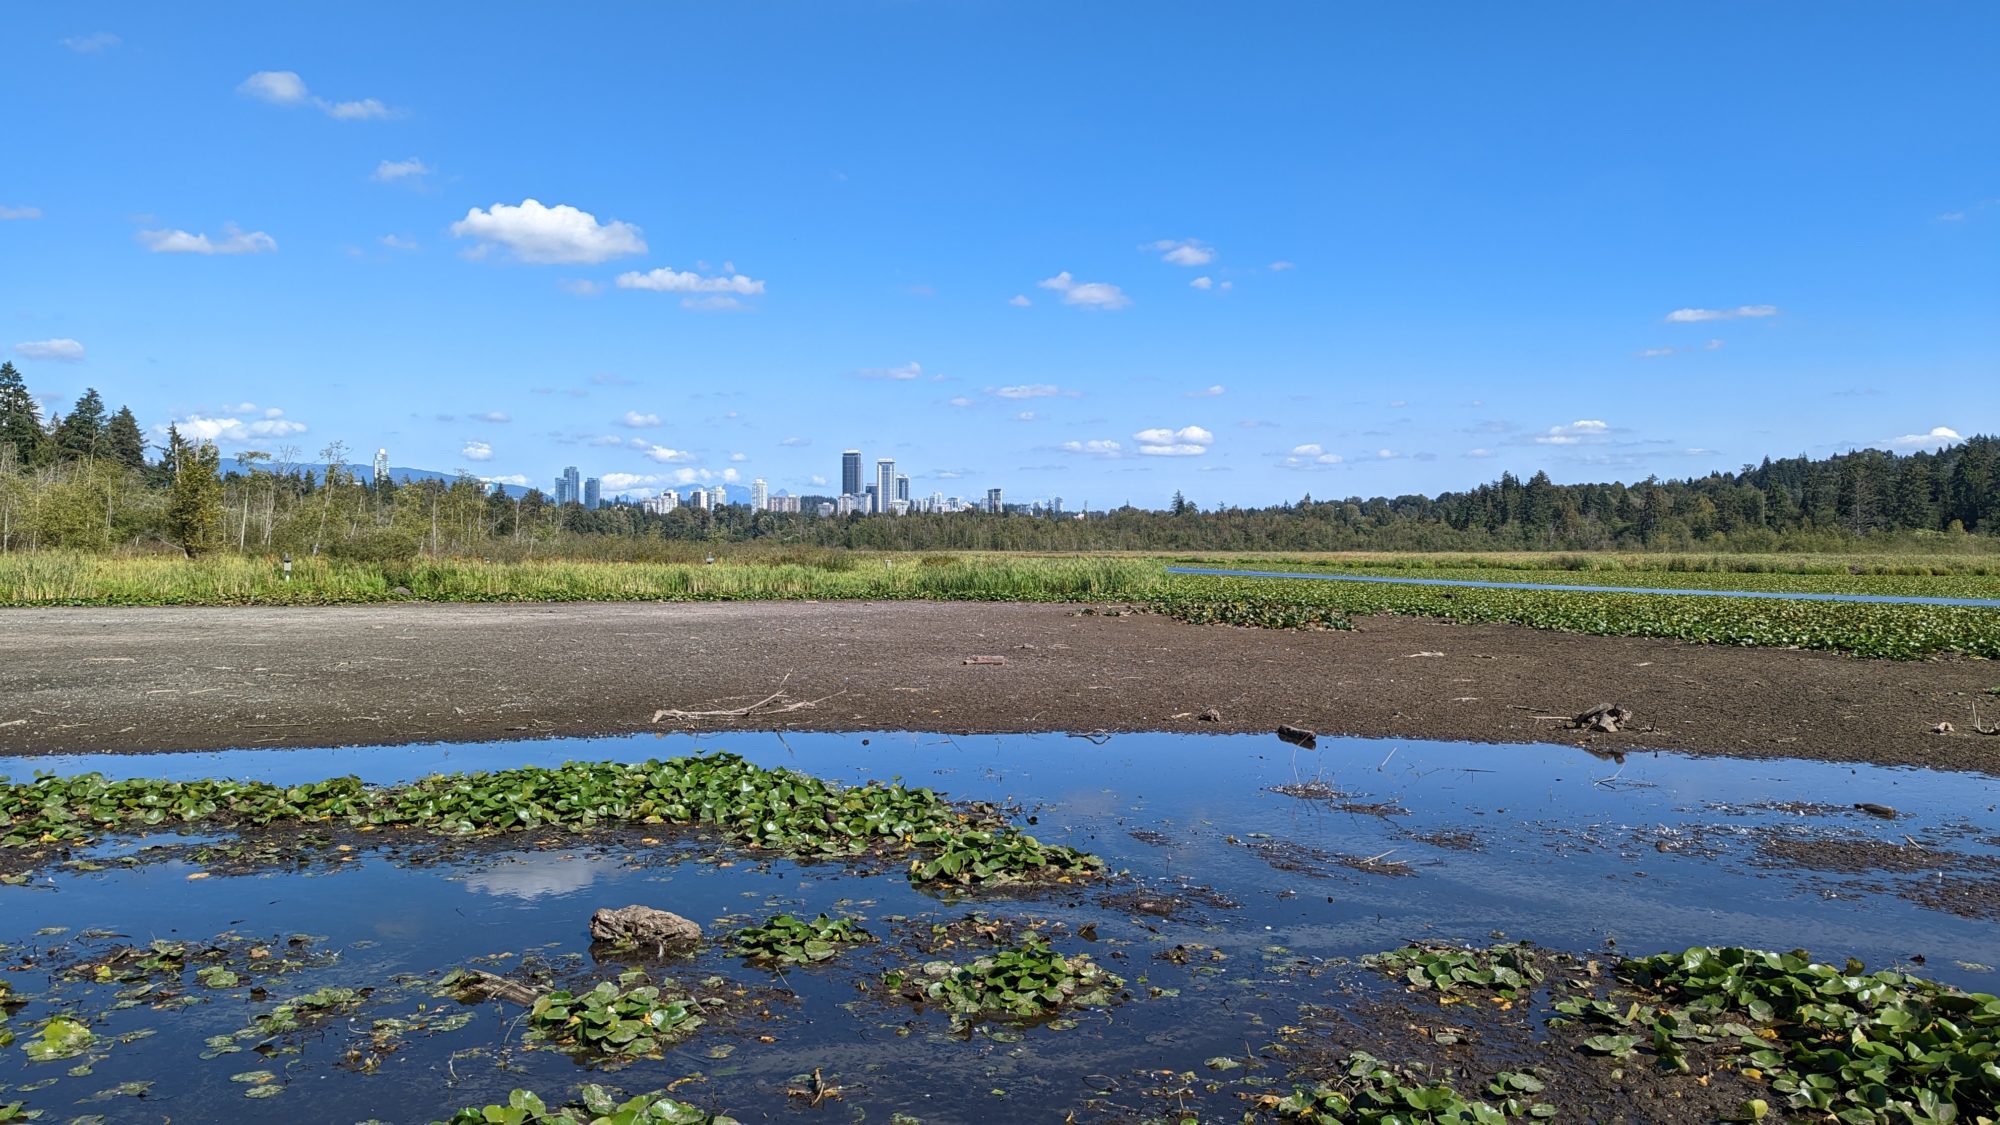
point(1298, 736)
point(642, 925)
point(401, 591)
point(1209, 715)
point(1873, 809)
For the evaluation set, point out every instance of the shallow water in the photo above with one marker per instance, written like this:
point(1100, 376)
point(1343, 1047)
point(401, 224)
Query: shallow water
point(1793, 596)
point(1564, 849)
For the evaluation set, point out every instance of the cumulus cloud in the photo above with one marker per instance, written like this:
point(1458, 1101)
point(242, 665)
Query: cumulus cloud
point(1584, 431)
point(1188, 441)
point(705, 476)
point(903, 374)
point(390, 171)
point(739, 458)
point(238, 431)
point(1018, 300)
point(548, 235)
point(666, 456)
point(1477, 453)
point(1205, 392)
point(395, 243)
point(638, 421)
point(1183, 251)
point(493, 416)
point(1094, 448)
point(1311, 455)
point(476, 451)
point(1696, 316)
point(622, 482)
point(668, 280)
point(1086, 294)
point(518, 480)
point(11, 213)
point(286, 88)
point(233, 241)
point(1939, 436)
point(90, 44)
point(960, 401)
point(61, 349)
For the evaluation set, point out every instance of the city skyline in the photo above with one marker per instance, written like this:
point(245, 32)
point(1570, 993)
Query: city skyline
point(1280, 270)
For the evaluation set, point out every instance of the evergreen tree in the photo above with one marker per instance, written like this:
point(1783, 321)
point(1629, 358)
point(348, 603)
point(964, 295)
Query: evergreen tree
point(19, 426)
point(78, 436)
point(123, 442)
point(194, 502)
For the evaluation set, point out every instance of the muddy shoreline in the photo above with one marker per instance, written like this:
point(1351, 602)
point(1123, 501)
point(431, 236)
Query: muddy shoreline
point(148, 680)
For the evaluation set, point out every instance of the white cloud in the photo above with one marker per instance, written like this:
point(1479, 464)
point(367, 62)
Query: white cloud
point(233, 241)
point(712, 303)
point(961, 401)
point(1182, 252)
point(705, 476)
point(548, 235)
point(279, 87)
point(1281, 266)
point(1478, 453)
point(1188, 441)
point(493, 416)
point(817, 479)
point(395, 243)
point(1202, 283)
point(621, 482)
point(10, 213)
point(389, 171)
point(1018, 300)
point(1695, 316)
point(518, 480)
point(795, 442)
point(1584, 431)
point(62, 350)
point(90, 44)
point(285, 87)
point(669, 280)
point(739, 457)
point(1026, 416)
point(1712, 345)
point(581, 286)
point(637, 420)
point(236, 431)
point(1655, 353)
point(903, 374)
point(1205, 392)
point(1939, 436)
point(666, 456)
point(1311, 455)
point(1087, 294)
point(1033, 390)
point(1094, 448)
point(476, 451)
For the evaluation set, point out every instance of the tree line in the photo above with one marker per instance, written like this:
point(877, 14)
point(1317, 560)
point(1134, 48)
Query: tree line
point(84, 481)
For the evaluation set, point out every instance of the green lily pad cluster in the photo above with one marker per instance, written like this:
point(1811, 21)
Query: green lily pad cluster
point(1508, 970)
point(1897, 632)
point(1028, 981)
point(1373, 1091)
point(1861, 1047)
point(596, 1106)
point(59, 1037)
point(780, 810)
point(626, 1019)
point(991, 858)
point(785, 940)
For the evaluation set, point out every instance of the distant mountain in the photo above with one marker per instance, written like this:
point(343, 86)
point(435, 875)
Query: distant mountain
point(366, 475)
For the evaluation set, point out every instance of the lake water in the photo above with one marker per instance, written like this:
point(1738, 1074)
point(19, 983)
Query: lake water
point(1412, 840)
point(1887, 599)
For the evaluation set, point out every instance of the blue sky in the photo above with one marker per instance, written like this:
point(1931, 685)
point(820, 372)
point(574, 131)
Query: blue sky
point(1101, 251)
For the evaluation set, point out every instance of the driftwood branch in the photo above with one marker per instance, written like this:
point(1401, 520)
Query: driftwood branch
point(761, 707)
point(490, 986)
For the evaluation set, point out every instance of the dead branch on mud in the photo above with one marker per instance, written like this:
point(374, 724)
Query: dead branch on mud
point(760, 708)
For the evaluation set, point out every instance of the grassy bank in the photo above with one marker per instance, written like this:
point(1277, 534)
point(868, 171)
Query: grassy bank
point(1855, 578)
point(52, 579)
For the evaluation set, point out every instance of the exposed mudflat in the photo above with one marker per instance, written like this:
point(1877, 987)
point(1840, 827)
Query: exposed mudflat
point(135, 679)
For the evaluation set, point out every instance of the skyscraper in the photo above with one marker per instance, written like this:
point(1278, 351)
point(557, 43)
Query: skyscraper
point(760, 495)
point(850, 472)
point(993, 503)
point(569, 487)
point(885, 483)
point(592, 493)
point(381, 467)
point(902, 486)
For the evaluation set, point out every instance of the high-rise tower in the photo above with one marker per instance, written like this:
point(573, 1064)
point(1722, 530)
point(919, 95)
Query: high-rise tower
point(885, 483)
point(381, 467)
point(850, 473)
point(760, 495)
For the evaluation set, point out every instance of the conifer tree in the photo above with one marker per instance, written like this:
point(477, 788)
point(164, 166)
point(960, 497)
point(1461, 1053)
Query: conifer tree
point(123, 442)
point(19, 427)
point(78, 436)
point(194, 502)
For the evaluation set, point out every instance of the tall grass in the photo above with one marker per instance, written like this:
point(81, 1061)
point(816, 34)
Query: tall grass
point(52, 579)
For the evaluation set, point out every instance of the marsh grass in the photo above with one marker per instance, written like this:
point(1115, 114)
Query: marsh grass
point(56, 579)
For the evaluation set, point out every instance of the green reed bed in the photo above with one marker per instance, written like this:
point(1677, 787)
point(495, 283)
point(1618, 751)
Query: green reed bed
point(47, 579)
point(1840, 582)
point(1899, 632)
